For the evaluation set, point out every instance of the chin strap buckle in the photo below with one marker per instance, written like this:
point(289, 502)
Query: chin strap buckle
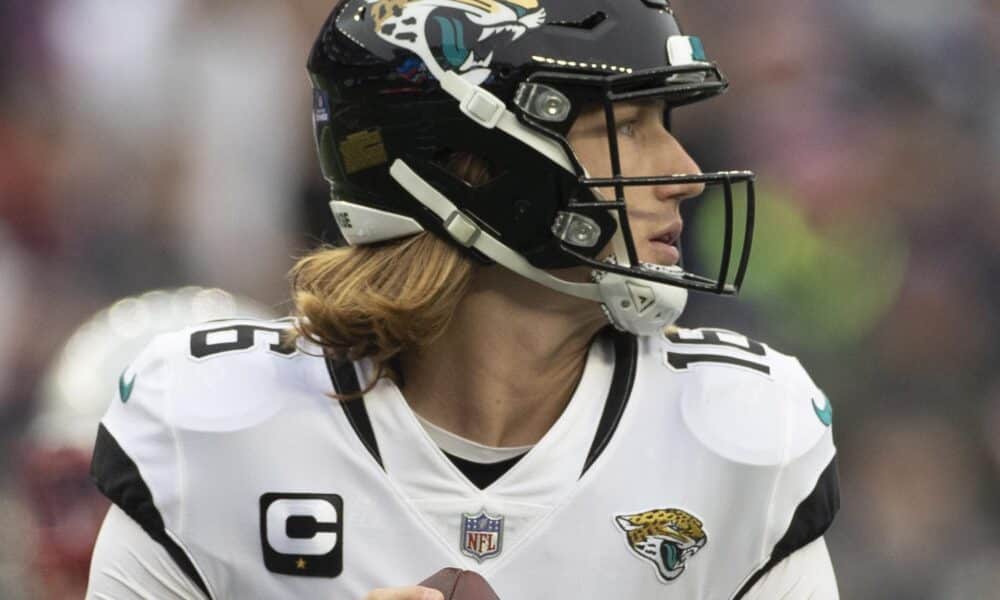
point(462, 229)
point(483, 108)
point(475, 102)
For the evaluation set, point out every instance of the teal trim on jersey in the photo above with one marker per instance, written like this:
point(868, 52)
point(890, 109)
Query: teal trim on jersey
point(125, 389)
point(452, 41)
point(825, 414)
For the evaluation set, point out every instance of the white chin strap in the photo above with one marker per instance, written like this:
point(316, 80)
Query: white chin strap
point(637, 306)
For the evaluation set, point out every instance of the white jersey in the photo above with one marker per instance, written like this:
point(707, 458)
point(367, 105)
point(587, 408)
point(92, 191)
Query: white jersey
point(682, 467)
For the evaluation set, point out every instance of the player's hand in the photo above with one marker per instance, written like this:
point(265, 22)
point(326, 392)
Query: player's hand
point(412, 592)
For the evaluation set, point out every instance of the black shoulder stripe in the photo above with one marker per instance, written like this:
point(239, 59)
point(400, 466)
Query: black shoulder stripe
point(811, 520)
point(345, 382)
point(626, 357)
point(118, 478)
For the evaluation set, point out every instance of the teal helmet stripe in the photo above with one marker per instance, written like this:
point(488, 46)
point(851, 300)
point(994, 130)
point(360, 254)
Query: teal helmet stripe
point(697, 49)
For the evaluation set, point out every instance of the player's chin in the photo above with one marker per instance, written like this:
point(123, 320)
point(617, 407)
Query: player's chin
point(660, 253)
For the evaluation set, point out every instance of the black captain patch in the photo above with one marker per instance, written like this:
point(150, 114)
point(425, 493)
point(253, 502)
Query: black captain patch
point(302, 534)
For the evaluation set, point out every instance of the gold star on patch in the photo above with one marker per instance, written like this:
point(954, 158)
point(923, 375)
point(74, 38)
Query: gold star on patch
point(300, 564)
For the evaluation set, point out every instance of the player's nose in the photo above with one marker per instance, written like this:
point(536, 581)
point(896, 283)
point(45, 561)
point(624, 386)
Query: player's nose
point(673, 159)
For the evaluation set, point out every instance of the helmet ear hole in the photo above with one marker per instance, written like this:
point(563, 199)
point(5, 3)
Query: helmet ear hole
point(470, 168)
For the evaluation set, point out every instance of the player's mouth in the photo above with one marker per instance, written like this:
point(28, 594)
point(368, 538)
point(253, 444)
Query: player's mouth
point(665, 245)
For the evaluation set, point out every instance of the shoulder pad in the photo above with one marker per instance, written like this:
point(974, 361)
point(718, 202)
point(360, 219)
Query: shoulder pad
point(217, 376)
point(744, 400)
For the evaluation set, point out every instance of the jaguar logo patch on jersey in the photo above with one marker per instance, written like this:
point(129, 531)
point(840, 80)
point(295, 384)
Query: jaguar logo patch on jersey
point(482, 535)
point(455, 35)
point(666, 537)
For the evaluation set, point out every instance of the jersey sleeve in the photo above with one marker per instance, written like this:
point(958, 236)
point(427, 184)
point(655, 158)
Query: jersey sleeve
point(806, 494)
point(135, 462)
point(807, 573)
point(129, 565)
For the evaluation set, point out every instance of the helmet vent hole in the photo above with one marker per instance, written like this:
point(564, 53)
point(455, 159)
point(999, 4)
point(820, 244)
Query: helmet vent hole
point(586, 24)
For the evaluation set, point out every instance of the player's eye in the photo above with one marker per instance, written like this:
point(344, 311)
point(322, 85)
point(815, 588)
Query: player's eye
point(628, 129)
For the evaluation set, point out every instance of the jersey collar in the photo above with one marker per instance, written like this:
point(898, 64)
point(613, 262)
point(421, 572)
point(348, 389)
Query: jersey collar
point(395, 439)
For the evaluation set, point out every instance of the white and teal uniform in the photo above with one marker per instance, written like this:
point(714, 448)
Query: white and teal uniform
point(684, 467)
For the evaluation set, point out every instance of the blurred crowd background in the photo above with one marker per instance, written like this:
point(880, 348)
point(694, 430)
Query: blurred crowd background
point(166, 143)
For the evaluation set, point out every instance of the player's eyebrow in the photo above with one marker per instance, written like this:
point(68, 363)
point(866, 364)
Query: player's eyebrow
point(648, 103)
point(636, 108)
point(594, 121)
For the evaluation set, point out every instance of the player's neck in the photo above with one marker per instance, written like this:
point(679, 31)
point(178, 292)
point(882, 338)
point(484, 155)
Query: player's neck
point(507, 365)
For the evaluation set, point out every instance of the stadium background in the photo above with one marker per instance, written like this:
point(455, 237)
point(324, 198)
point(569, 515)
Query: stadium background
point(166, 142)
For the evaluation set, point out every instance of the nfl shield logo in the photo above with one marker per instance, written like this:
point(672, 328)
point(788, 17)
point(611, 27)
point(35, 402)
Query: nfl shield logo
point(482, 535)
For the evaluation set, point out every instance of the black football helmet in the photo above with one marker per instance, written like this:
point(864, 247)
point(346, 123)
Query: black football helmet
point(401, 85)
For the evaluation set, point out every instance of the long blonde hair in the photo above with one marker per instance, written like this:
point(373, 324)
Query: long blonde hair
point(375, 301)
point(378, 300)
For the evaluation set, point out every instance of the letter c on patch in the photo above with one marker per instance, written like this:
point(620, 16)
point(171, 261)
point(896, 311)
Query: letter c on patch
point(281, 511)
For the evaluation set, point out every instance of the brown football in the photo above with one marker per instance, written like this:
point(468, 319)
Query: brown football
point(457, 584)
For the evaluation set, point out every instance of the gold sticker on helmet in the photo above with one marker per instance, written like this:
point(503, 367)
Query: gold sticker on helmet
point(363, 150)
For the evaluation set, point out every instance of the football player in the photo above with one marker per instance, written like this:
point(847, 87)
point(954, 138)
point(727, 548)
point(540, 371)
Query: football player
point(56, 449)
point(486, 373)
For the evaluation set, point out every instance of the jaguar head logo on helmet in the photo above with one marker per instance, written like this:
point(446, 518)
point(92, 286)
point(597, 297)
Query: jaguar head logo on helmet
point(506, 81)
point(455, 35)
